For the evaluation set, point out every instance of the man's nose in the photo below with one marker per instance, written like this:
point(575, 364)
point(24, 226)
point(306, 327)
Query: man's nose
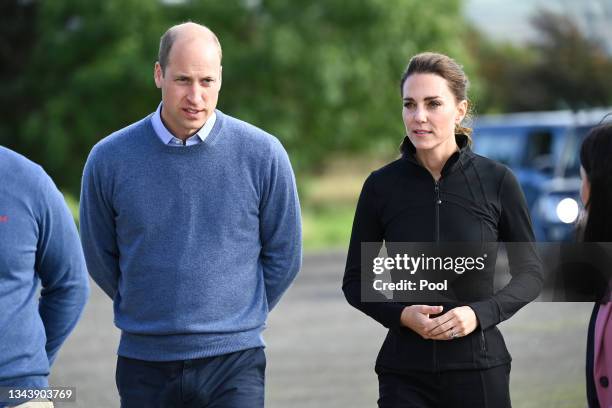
point(195, 94)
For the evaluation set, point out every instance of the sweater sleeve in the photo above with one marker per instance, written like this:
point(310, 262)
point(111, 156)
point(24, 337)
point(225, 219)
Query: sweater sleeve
point(524, 261)
point(97, 224)
point(280, 226)
point(367, 228)
point(61, 268)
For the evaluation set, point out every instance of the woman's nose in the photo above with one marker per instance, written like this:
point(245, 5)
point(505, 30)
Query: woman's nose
point(420, 115)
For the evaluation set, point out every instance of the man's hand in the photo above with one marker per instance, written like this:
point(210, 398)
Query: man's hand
point(457, 322)
point(417, 319)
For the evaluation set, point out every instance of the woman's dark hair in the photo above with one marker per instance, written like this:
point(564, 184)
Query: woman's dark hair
point(596, 159)
point(447, 68)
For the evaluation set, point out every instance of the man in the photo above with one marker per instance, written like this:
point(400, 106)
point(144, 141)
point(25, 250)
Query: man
point(190, 222)
point(39, 243)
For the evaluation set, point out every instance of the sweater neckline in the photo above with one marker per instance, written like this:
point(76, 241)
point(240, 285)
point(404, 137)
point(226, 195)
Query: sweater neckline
point(210, 140)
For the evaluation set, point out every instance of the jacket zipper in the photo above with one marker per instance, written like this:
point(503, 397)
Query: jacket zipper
point(437, 236)
point(438, 202)
point(484, 342)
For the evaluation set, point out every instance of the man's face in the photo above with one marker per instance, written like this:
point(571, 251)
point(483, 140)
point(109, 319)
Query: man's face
point(190, 85)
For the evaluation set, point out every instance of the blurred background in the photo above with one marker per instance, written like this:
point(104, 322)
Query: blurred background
point(323, 76)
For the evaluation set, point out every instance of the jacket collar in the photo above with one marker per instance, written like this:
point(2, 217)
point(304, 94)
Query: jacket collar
point(460, 157)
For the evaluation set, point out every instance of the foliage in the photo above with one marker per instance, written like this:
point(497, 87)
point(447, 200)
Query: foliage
point(561, 69)
point(575, 67)
point(88, 73)
point(321, 75)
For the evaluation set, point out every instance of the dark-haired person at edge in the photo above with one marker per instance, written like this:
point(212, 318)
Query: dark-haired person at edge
point(443, 355)
point(596, 192)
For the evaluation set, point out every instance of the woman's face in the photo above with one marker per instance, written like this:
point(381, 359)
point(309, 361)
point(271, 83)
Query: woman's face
point(585, 187)
point(431, 112)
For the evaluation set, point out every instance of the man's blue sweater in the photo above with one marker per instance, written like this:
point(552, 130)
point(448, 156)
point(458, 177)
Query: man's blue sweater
point(38, 243)
point(194, 244)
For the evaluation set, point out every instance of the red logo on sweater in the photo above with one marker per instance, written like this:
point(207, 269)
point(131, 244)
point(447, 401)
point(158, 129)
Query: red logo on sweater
point(3, 218)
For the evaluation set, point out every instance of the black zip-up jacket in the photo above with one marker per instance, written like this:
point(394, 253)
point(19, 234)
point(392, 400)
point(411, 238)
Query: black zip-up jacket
point(475, 200)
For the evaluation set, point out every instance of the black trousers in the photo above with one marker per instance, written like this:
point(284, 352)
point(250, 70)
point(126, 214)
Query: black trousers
point(233, 380)
point(488, 388)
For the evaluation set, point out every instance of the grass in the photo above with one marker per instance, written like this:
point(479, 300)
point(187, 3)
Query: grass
point(329, 197)
point(327, 228)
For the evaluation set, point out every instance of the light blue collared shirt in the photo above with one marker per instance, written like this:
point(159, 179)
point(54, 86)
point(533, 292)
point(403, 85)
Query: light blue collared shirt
point(171, 140)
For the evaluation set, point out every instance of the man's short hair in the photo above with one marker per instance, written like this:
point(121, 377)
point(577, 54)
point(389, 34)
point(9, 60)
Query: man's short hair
point(167, 40)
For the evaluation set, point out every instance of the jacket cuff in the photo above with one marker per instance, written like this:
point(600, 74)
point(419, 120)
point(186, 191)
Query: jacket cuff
point(487, 313)
point(395, 316)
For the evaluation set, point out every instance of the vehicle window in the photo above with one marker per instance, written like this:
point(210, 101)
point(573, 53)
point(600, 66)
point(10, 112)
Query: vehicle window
point(572, 153)
point(502, 145)
point(540, 151)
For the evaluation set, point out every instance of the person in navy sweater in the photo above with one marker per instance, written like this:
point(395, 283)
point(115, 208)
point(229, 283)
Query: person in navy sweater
point(190, 222)
point(39, 245)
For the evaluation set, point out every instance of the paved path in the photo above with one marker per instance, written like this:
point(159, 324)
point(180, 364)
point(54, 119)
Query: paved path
point(321, 351)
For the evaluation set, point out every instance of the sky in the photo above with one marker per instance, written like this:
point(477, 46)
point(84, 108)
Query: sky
point(509, 20)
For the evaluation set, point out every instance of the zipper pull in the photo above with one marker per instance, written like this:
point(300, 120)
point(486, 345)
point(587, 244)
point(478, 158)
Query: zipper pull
point(437, 189)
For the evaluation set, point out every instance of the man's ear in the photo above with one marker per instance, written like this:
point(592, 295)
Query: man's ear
point(158, 75)
point(220, 76)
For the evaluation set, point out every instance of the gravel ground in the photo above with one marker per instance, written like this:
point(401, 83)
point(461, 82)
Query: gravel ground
point(321, 352)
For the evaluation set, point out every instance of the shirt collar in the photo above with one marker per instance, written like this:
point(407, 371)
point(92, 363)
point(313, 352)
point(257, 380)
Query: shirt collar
point(166, 137)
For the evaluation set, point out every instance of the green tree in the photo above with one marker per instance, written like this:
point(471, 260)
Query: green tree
point(330, 70)
point(560, 69)
point(572, 70)
point(88, 73)
point(501, 67)
point(322, 75)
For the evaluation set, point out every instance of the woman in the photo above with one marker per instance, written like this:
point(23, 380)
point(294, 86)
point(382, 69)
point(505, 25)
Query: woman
point(440, 191)
point(596, 193)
